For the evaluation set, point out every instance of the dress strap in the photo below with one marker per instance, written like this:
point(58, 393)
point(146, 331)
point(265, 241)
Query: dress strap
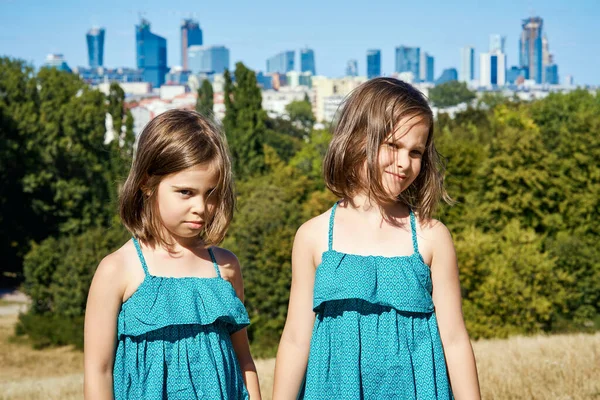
point(413, 227)
point(214, 260)
point(138, 248)
point(331, 218)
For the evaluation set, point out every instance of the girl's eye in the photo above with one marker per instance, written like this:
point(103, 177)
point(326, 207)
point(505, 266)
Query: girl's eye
point(185, 192)
point(416, 153)
point(391, 145)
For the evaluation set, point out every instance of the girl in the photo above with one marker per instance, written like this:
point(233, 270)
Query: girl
point(164, 316)
point(377, 272)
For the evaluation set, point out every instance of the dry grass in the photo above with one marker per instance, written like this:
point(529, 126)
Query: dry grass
point(37, 374)
point(557, 367)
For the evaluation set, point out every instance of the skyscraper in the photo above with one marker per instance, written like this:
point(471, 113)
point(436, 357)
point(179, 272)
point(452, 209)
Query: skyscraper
point(307, 61)
point(151, 54)
point(408, 60)
point(551, 75)
point(467, 68)
point(208, 59)
point(95, 45)
point(373, 63)
point(352, 68)
point(57, 61)
point(448, 75)
point(426, 67)
point(530, 47)
point(492, 69)
point(191, 35)
point(282, 62)
point(497, 43)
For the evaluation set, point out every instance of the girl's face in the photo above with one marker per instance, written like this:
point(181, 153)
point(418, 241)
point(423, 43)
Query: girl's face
point(184, 200)
point(401, 153)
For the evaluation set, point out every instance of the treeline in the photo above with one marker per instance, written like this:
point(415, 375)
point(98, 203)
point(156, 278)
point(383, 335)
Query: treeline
point(526, 178)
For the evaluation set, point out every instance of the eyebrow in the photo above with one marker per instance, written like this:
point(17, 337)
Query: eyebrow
point(182, 187)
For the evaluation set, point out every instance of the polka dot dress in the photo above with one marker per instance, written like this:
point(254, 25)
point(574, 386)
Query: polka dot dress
point(174, 339)
point(375, 334)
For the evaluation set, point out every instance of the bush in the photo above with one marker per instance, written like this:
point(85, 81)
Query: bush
point(58, 273)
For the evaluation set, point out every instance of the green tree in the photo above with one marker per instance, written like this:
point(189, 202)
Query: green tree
point(519, 289)
point(116, 107)
point(518, 180)
point(19, 116)
point(204, 104)
point(450, 94)
point(300, 112)
point(245, 123)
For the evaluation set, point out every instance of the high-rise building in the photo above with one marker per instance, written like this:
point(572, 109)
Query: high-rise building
point(467, 66)
point(516, 75)
point(191, 35)
point(282, 62)
point(95, 45)
point(492, 69)
point(151, 54)
point(497, 43)
point(57, 61)
point(373, 63)
point(546, 51)
point(208, 59)
point(448, 75)
point(408, 60)
point(426, 67)
point(551, 74)
point(352, 68)
point(530, 47)
point(307, 61)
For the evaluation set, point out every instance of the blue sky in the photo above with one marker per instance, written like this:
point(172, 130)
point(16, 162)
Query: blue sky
point(337, 30)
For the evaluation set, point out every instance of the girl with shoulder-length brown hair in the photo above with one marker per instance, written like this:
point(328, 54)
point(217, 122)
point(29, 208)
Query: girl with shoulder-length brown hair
point(165, 314)
point(375, 303)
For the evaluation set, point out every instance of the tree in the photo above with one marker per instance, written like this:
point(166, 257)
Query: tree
point(450, 94)
point(19, 116)
point(519, 179)
point(116, 107)
point(204, 104)
point(245, 122)
point(300, 112)
point(518, 290)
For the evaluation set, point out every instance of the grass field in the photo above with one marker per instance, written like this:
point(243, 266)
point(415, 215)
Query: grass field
point(557, 367)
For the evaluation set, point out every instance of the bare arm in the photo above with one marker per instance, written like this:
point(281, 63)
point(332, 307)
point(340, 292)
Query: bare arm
point(294, 347)
point(447, 299)
point(100, 332)
point(240, 338)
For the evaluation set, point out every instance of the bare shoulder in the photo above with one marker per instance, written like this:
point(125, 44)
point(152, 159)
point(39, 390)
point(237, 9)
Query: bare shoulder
point(434, 239)
point(313, 231)
point(118, 269)
point(434, 229)
point(116, 263)
point(229, 265)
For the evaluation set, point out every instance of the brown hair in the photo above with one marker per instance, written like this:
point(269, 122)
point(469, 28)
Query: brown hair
point(172, 142)
point(368, 116)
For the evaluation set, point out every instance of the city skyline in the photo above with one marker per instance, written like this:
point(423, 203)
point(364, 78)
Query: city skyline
point(254, 33)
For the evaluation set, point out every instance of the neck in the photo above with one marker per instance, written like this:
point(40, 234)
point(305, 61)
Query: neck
point(364, 205)
point(192, 244)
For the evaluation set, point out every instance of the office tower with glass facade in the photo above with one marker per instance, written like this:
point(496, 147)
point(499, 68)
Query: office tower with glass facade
point(530, 47)
point(307, 61)
point(191, 35)
point(373, 63)
point(95, 45)
point(282, 62)
point(151, 54)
